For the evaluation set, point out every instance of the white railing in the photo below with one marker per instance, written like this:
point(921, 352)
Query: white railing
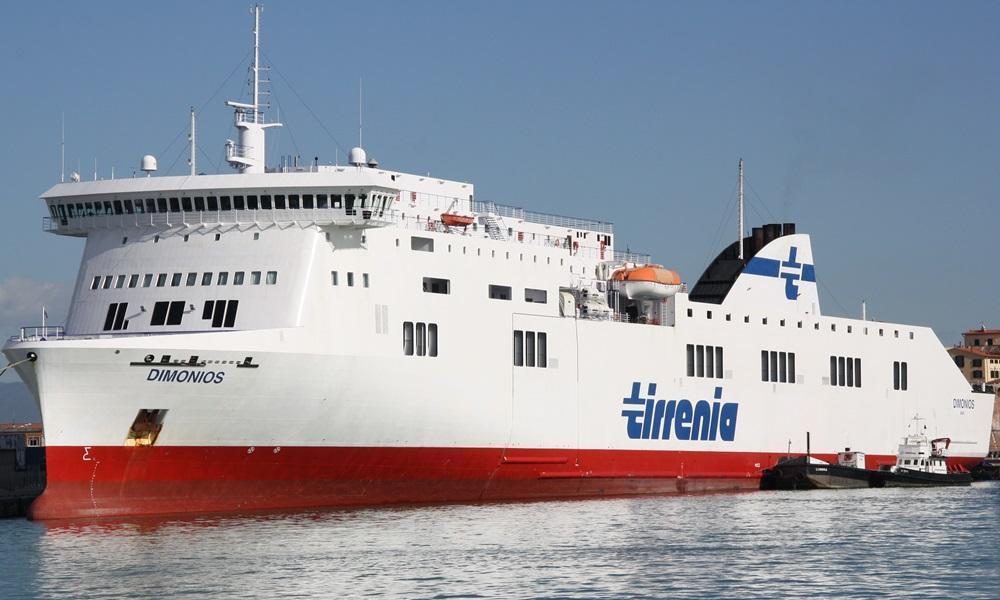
point(515, 212)
point(37, 333)
point(319, 216)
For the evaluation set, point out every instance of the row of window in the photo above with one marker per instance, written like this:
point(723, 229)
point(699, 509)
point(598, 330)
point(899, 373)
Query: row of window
point(422, 244)
point(221, 278)
point(845, 371)
point(437, 285)
point(420, 339)
point(335, 279)
point(704, 361)
point(781, 322)
point(777, 367)
point(349, 202)
point(978, 374)
point(531, 349)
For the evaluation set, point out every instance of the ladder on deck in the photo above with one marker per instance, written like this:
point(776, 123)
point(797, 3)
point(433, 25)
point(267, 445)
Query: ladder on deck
point(493, 228)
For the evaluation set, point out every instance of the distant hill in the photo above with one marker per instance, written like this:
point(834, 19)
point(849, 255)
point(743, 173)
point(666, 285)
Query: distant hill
point(16, 404)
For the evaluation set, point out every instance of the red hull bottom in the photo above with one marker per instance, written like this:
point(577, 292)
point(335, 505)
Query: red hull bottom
point(117, 481)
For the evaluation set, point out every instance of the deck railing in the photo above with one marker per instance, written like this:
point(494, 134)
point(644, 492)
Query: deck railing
point(36, 333)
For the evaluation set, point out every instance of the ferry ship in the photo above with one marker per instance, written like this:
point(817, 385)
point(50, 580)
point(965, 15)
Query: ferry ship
point(315, 335)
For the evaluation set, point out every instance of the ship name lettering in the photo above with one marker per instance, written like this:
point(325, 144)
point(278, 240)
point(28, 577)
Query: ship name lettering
point(185, 376)
point(648, 418)
point(969, 403)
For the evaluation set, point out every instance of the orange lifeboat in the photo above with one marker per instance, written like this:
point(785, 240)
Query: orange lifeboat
point(648, 282)
point(454, 220)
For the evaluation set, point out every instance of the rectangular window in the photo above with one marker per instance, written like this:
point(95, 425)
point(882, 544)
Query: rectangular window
point(161, 280)
point(500, 292)
point(536, 296)
point(895, 375)
point(251, 202)
point(199, 203)
point(765, 371)
point(206, 278)
point(542, 355)
point(902, 374)
point(350, 279)
point(364, 279)
point(255, 278)
point(223, 278)
point(159, 313)
point(791, 367)
point(175, 281)
point(421, 244)
point(321, 201)
point(120, 282)
point(218, 313)
point(109, 319)
point(265, 202)
point(333, 277)
point(783, 367)
point(107, 282)
point(175, 313)
point(774, 366)
point(133, 281)
point(690, 360)
point(718, 362)
point(307, 201)
point(518, 348)
point(279, 201)
point(700, 360)
point(709, 361)
point(213, 203)
point(421, 339)
point(272, 277)
point(206, 312)
point(96, 283)
point(335, 201)
point(192, 279)
point(147, 280)
point(238, 278)
point(186, 204)
point(529, 348)
point(432, 339)
point(433, 285)
point(833, 371)
point(293, 201)
point(857, 372)
point(841, 368)
point(238, 202)
point(408, 338)
point(120, 322)
point(231, 307)
point(175, 205)
point(225, 203)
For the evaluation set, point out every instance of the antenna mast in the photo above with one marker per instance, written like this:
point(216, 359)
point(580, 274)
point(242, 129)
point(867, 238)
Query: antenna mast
point(191, 137)
point(62, 150)
point(256, 62)
point(360, 88)
point(739, 238)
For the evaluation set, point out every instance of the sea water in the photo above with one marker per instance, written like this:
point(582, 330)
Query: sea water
point(905, 543)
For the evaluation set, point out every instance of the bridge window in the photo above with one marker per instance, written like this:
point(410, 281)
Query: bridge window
point(238, 278)
point(321, 201)
point(252, 203)
point(255, 278)
point(433, 285)
point(899, 375)
point(265, 202)
point(307, 201)
point(272, 278)
point(223, 278)
point(147, 280)
point(238, 203)
point(133, 281)
point(96, 283)
point(293, 201)
point(186, 204)
point(279, 201)
point(213, 203)
point(225, 203)
point(119, 282)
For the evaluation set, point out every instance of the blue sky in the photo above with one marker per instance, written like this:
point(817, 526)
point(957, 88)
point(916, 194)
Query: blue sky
point(870, 124)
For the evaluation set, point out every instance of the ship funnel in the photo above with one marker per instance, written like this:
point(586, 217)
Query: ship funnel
point(358, 157)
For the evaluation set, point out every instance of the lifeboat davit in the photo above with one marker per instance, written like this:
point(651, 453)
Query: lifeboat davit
point(648, 282)
point(456, 220)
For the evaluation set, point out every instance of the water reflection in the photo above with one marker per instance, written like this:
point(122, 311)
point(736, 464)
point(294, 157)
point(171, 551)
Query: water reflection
point(858, 543)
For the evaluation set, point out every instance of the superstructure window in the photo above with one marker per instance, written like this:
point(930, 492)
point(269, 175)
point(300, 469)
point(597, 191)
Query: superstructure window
point(777, 367)
point(133, 281)
point(115, 319)
point(350, 279)
point(238, 278)
point(175, 313)
point(107, 282)
point(223, 278)
point(421, 244)
point(845, 371)
point(899, 376)
point(255, 278)
point(364, 280)
point(408, 338)
point(161, 280)
point(206, 278)
point(147, 280)
point(96, 283)
point(535, 296)
point(272, 278)
point(705, 361)
point(333, 278)
point(531, 349)
point(500, 292)
point(119, 282)
point(175, 281)
point(433, 285)
point(192, 278)
point(159, 313)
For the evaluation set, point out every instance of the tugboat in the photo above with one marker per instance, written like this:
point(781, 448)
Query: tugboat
point(921, 463)
point(811, 473)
